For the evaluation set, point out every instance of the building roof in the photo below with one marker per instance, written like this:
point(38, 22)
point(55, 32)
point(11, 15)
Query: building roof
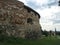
point(30, 9)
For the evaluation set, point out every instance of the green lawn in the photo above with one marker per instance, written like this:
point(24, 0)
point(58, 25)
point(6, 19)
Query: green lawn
point(19, 41)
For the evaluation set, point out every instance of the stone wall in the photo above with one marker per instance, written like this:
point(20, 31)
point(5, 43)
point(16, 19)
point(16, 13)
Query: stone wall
point(16, 20)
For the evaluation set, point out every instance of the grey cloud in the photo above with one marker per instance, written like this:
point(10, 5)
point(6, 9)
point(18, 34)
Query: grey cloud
point(57, 18)
point(56, 21)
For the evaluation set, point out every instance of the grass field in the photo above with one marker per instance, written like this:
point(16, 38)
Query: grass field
point(19, 41)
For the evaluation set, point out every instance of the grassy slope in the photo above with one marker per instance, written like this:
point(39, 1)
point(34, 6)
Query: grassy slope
point(19, 41)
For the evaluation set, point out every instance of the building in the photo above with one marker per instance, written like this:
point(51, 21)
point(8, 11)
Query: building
point(19, 20)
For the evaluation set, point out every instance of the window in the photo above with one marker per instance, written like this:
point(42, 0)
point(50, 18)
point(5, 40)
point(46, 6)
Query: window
point(29, 11)
point(29, 20)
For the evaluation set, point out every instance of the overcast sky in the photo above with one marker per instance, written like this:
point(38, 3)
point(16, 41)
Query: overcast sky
point(49, 11)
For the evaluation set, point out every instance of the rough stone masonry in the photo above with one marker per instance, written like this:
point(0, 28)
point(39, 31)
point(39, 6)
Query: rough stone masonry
point(18, 20)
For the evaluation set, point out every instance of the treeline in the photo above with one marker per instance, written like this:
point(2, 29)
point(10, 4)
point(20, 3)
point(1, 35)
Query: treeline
point(50, 33)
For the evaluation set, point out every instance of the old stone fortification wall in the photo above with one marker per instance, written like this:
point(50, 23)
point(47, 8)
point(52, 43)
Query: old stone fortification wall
point(18, 21)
